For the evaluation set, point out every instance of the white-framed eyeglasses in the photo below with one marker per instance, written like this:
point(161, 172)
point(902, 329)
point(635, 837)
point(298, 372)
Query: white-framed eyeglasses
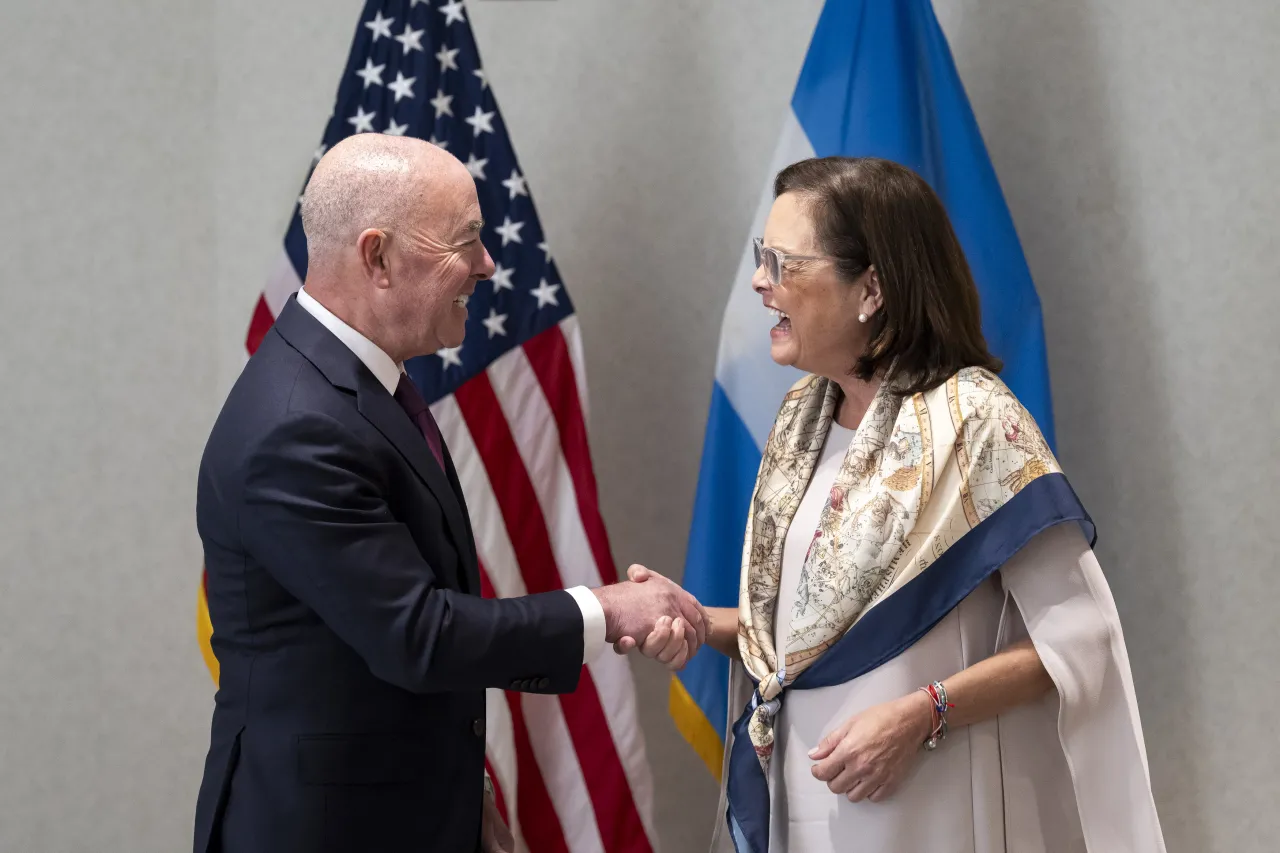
point(773, 259)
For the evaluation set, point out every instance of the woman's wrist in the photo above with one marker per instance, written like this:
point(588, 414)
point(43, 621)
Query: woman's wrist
point(723, 633)
point(920, 711)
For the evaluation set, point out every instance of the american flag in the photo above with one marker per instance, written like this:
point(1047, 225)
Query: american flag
point(570, 770)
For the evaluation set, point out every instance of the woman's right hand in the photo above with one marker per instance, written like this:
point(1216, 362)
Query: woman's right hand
point(667, 643)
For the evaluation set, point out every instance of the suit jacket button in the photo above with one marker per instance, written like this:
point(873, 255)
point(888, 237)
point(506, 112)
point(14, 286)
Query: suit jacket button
point(544, 683)
point(477, 726)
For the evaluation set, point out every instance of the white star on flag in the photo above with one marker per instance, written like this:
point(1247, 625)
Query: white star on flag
point(501, 278)
point(413, 4)
point(516, 184)
point(410, 39)
point(403, 86)
point(484, 78)
point(362, 121)
point(496, 323)
point(443, 103)
point(439, 143)
point(394, 129)
point(371, 74)
point(447, 58)
point(315, 158)
point(381, 26)
point(476, 167)
point(452, 11)
point(450, 356)
point(546, 250)
point(509, 231)
point(546, 293)
point(481, 122)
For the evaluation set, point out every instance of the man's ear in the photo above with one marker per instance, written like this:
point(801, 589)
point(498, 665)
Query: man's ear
point(372, 246)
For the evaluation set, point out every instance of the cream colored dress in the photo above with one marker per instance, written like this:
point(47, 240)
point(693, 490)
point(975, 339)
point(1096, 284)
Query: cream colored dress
point(1002, 786)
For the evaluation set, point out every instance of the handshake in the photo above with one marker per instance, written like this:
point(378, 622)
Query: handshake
point(655, 615)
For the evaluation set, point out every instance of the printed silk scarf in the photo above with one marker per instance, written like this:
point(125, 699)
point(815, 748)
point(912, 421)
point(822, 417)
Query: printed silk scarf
point(921, 472)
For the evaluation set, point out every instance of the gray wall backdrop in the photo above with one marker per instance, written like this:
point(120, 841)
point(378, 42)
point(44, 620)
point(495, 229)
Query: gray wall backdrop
point(151, 153)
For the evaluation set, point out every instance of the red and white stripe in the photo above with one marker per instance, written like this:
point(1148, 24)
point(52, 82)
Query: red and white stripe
point(518, 437)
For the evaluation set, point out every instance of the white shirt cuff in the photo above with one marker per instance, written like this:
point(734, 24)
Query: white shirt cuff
point(592, 622)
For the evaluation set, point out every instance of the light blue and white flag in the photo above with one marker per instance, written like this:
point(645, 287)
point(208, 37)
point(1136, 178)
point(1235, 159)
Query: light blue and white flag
point(878, 81)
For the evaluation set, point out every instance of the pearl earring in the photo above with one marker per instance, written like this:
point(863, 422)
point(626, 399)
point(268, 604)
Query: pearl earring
point(862, 318)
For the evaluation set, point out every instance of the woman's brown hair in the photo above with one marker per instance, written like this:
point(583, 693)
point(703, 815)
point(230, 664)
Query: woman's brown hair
point(868, 211)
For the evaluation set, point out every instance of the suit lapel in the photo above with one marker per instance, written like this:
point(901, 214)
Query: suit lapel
point(342, 368)
point(471, 558)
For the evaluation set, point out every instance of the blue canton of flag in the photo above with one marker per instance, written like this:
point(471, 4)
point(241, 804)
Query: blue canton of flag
point(414, 70)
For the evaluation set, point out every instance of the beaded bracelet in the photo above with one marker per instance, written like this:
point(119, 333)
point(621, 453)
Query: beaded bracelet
point(938, 694)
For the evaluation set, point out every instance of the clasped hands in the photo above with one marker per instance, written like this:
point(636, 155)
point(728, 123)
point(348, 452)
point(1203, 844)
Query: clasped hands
point(655, 615)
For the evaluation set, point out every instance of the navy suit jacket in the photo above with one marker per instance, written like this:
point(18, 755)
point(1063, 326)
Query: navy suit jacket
point(344, 592)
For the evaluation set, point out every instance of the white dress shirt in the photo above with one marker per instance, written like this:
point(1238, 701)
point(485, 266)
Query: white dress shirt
point(387, 372)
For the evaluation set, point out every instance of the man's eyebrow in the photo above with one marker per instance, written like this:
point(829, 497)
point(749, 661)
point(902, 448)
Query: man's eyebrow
point(475, 226)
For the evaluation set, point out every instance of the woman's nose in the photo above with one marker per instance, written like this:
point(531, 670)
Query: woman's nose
point(759, 280)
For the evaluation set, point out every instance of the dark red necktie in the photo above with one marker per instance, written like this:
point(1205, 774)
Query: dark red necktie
point(410, 399)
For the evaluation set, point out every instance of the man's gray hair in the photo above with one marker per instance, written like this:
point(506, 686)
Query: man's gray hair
point(366, 181)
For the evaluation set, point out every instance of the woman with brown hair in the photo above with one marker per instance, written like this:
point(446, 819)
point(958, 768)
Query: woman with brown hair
point(931, 659)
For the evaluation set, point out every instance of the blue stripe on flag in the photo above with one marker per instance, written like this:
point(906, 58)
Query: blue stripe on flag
point(879, 81)
point(730, 460)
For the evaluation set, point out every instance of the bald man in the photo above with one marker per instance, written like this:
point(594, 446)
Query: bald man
point(343, 584)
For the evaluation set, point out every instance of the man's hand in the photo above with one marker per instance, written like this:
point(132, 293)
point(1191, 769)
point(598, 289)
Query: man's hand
point(655, 615)
point(495, 837)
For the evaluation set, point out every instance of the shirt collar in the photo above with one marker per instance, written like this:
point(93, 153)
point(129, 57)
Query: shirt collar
point(386, 371)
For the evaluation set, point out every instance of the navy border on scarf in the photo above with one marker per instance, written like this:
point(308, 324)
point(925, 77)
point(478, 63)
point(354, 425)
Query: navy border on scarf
point(891, 627)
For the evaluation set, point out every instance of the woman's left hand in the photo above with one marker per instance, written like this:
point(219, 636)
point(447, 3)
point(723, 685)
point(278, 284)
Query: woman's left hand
point(869, 754)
